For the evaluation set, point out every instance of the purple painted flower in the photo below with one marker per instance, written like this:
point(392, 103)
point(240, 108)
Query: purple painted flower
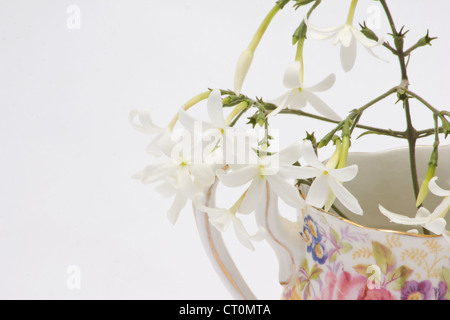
point(413, 290)
point(441, 291)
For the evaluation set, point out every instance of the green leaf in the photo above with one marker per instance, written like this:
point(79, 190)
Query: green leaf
point(399, 275)
point(444, 275)
point(315, 272)
point(333, 257)
point(366, 133)
point(335, 235)
point(383, 257)
point(305, 266)
point(346, 247)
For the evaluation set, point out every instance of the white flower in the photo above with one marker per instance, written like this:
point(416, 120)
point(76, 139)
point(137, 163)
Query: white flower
point(182, 178)
point(298, 95)
point(222, 218)
point(269, 170)
point(147, 126)
point(217, 139)
point(346, 35)
point(326, 180)
point(435, 222)
point(435, 189)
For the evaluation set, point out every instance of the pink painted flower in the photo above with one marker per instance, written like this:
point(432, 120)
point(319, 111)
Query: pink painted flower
point(343, 286)
point(376, 294)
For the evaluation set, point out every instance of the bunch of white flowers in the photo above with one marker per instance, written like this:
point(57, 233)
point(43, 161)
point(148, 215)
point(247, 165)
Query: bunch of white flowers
point(198, 154)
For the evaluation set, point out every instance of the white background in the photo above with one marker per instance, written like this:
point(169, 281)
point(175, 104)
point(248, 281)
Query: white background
point(68, 150)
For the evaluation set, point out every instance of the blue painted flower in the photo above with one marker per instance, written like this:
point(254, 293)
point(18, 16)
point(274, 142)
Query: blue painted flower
point(319, 253)
point(313, 228)
point(313, 238)
point(309, 239)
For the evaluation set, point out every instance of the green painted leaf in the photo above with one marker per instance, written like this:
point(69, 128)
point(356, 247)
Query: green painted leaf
point(383, 257)
point(333, 257)
point(399, 276)
point(315, 272)
point(346, 247)
point(305, 266)
point(335, 235)
point(444, 275)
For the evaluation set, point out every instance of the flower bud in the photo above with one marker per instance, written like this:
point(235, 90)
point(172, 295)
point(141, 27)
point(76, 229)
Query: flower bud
point(243, 65)
point(424, 189)
point(368, 33)
point(425, 40)
point(300, 33)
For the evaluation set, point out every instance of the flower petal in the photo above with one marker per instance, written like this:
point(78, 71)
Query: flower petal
point(321, 106)
point(166, 189)
point(253, 196)
point(296, 172)
point(290, 154)
point(244, 237)
point(203, 173)
point(323, 85)
point(215, 108)
point(344, 174)
point(291, 78)
point(401, 219)
point(348, 56)
point(185, 183)
point(146, 123)
point(318, 192)
point(322, 30)
point(370, 51)
point(310, 156)
point(187, 120)
point(280, 102)
point(344, 196)
point(161, 144)
point(344, 36)
point(238, 177)
point(155, 172)
point(435, 189)
point(296, 99)
point(437, 226)
point(441, 210)
point(178, 204)
point(287, 192)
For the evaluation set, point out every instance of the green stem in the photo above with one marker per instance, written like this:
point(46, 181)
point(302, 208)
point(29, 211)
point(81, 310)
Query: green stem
point(262, 28)
point(351, 12)
point(392, 133)
point(427, 104)
point(411, 134)
point(299, 57)
point(236, 111)
point(192, 102)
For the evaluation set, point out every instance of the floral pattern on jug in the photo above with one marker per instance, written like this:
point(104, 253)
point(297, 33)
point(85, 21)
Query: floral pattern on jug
point(348, 262)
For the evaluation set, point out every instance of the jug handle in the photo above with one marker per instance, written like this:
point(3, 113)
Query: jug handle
point(281, 234)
